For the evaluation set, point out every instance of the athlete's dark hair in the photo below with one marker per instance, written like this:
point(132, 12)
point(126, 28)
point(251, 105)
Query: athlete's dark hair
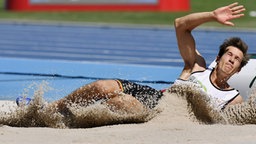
point(238, 43)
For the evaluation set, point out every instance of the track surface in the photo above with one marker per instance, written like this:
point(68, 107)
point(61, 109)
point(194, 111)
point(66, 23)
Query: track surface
point(70, 55)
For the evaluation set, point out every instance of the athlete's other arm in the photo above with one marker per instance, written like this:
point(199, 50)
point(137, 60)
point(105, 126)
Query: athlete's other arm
point(193, 61)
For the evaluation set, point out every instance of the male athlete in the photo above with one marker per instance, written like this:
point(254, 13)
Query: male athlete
point(231, 58)
point(131, 97)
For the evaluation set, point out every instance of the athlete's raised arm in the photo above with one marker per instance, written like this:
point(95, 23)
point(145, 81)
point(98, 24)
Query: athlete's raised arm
point(193, 61)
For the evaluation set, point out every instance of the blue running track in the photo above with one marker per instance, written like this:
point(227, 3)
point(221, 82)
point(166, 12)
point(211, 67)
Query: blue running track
point(70, 55)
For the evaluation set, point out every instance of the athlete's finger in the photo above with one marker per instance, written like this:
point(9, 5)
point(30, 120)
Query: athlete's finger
point(237, 15)
point(238, 8)
point(233, 5)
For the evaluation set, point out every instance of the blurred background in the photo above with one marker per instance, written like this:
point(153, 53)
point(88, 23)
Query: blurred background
point(128, 16)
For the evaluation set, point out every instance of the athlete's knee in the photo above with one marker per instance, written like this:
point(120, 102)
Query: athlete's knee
point(125, 104)
point(106, 86)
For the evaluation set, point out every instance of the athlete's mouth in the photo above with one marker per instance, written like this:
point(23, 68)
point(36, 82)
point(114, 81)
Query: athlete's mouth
point(230, 66)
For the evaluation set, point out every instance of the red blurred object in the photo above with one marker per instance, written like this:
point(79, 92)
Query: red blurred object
point(162, 5)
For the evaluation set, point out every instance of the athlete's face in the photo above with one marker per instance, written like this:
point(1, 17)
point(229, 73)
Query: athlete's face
point(230, 61)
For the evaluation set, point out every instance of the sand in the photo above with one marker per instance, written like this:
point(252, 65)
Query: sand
point(171, 124)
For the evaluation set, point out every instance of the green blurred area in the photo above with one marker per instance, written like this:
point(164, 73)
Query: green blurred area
point(150, 18)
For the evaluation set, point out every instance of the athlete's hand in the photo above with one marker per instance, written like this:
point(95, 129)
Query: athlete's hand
point(224, 14)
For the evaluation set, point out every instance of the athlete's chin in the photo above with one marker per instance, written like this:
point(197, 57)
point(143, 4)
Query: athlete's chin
point(230, 73)
point(228, 68)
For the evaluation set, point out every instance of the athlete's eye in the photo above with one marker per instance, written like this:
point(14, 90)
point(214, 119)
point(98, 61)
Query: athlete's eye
point(238, 59)
point(229, 53)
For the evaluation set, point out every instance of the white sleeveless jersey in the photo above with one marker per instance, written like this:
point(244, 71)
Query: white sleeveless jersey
point(218, 98)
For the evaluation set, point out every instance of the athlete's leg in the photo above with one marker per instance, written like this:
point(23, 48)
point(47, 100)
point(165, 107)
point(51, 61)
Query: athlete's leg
point(125, 103)
point(102, 89)
point(109, 90)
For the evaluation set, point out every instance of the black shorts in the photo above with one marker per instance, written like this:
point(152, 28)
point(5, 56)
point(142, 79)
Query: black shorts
point(145, 94)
